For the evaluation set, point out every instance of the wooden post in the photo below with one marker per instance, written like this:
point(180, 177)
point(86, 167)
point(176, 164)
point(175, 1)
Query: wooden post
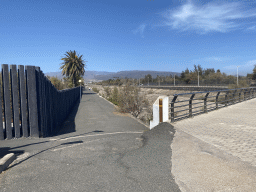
point(190, 105)
point(1, 118)
point(23, 101)
point(15, 104)
point(7, 104)
point(217, 102)
point(32, 101)
point(226, 98)
point(160, 110)
point(172, 108)
point(205, 102)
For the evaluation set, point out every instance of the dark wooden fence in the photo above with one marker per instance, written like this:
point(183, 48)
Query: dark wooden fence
point(207, 101)
point(31, 106)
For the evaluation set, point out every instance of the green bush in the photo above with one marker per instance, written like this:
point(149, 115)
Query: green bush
point(114, 96)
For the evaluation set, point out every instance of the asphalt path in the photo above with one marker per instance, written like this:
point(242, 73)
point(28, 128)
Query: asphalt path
point(98, 149)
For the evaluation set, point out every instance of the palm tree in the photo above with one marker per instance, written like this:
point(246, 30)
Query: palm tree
point(73, 66)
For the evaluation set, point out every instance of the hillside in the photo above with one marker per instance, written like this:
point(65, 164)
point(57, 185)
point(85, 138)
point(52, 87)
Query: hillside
point(103, 75)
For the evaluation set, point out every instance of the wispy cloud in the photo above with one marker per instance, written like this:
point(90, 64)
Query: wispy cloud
point(253, 28)
point(250, 63)
point(209, 17)
point(140, 30)
point(246, 64)
point(213, 59)
point(231, 66)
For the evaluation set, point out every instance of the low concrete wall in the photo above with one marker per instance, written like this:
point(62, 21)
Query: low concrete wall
point(165, 108)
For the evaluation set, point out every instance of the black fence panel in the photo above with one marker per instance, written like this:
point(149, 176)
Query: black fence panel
point(54, 105)
point(31, 106)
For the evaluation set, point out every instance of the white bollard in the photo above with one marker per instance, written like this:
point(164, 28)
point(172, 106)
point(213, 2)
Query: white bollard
point(165, 111)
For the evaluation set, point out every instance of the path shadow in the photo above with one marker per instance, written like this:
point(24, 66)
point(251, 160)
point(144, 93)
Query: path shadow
point(6, 150)
point(68, 126)
point(30, 156)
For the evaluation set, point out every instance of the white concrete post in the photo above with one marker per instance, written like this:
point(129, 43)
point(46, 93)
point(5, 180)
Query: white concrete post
point(165, 108)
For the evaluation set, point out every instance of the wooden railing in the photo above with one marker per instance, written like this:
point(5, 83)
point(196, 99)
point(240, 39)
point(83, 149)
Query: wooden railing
point(210, 100)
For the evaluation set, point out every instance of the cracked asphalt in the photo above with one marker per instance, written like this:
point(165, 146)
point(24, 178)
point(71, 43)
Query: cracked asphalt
point(98, 149)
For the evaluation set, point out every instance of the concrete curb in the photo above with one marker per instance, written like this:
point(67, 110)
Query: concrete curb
point(6, 161)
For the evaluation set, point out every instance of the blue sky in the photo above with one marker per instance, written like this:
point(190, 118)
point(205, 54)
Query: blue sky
point(123, 35)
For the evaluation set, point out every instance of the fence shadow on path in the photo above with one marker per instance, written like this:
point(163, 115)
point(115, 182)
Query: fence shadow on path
point(68, 126)
point(6, 150)
point(41, 151)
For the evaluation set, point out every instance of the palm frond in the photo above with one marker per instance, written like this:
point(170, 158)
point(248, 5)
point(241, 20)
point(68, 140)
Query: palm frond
point(73, 65)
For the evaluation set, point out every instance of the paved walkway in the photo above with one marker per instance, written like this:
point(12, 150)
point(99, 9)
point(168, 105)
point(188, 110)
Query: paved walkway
point(101, 150)
point(97, 150)
point(217, 151)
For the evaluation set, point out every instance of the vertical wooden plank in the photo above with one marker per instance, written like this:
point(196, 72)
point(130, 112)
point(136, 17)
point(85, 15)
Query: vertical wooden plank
point(44, 120)
point(32, 101)
point(50, 101)
point(39, 100)
point(15, 103)
point(7, 106)
point(1, 117)
point(43, 112)
point(23, 101)
point(47, 107)
point(55, 107)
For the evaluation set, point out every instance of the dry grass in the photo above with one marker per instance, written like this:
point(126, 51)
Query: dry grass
point(150, 95)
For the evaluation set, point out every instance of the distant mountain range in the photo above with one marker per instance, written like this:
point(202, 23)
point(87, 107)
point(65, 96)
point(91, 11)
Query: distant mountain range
point(103, 75)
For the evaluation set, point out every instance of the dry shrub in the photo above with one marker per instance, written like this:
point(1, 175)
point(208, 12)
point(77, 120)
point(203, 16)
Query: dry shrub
point(107, 91)
point(129, 100)
point(150, 91)
point(95, 90)
point(114, 96)
point(241, 84)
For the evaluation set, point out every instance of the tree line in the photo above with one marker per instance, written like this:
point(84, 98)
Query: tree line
point(206, 77)
point(73, 69)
